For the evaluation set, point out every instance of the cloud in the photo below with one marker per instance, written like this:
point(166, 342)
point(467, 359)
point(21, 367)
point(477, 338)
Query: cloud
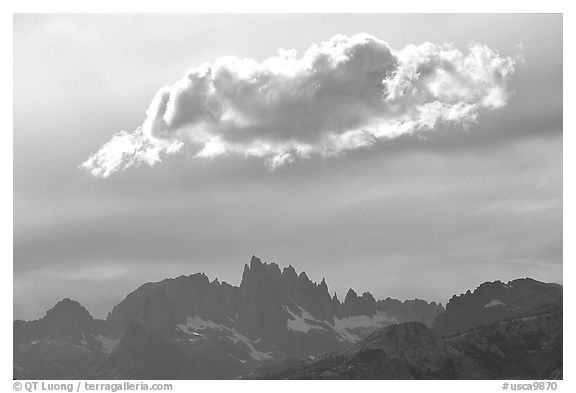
point(344, 94)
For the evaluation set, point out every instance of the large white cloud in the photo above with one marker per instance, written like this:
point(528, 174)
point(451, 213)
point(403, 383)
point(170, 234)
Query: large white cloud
point(343, 94)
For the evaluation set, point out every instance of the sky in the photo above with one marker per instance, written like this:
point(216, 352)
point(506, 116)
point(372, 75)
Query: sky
point(427, 209)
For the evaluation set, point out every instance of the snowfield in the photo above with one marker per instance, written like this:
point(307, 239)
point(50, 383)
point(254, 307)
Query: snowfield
point(108, 344)
point(344, 327)
point(195, 323)
point(493, 303)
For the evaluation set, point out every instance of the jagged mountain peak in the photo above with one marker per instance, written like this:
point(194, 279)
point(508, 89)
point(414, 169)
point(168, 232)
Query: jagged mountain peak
point(271, 304)
point(258, 270)
point(368, 296)
point(289, 274)
point(254, 260)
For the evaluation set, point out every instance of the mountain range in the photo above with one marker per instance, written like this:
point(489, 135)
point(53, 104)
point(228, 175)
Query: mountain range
point(280, 324)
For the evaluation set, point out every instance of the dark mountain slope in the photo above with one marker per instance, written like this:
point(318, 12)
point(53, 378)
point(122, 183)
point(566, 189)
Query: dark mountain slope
point(527, 347)
point(143, 354)
point(67, 343)
point(404, 351)
point(66, 318)
point(495, 301)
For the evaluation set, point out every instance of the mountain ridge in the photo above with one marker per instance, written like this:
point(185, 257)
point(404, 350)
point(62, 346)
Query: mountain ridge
point(212, 329)
point(495, 300)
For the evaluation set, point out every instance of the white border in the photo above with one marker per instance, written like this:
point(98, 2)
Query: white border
point(356, 6)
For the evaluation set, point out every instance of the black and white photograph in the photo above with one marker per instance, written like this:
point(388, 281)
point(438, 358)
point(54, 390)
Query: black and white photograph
point(287, 196)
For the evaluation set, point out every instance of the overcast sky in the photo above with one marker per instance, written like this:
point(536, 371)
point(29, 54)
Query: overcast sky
point(424, 214)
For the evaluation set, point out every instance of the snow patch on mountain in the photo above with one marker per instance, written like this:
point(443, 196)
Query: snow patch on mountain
point(494, 302)
point(345, 327)
point(301, 323)
point(108, 344)
point(254, 353)
point(193, 324)
point(235, 358)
